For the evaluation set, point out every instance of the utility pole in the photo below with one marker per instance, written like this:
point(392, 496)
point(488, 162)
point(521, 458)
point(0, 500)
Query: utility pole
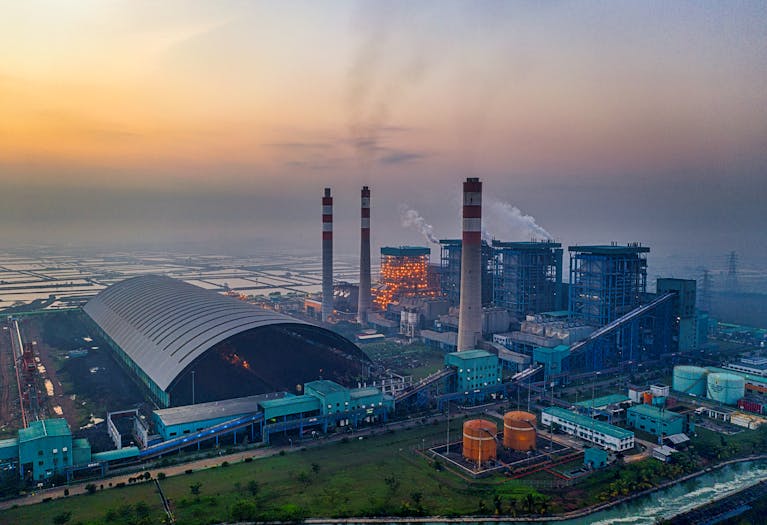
point(447, 449)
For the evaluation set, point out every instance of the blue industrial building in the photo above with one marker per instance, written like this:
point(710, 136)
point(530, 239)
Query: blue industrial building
point(475, 369)
point(606, 282)
point(450, 271)
point(527, 277)
point(655, 420)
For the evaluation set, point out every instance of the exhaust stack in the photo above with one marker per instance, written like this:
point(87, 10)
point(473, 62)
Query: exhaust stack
point(327, 256)
point(470, 307)
point(363, 305)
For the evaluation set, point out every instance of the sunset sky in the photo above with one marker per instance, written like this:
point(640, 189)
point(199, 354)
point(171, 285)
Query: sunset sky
point(161, 121)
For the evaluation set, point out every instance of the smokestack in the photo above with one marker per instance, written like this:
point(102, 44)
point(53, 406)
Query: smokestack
point(363, 306)
point(327, 256)
point(470, 308)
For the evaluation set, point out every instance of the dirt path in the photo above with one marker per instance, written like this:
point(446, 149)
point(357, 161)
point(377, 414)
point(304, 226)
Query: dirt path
point(6, 379)
point(32, 332)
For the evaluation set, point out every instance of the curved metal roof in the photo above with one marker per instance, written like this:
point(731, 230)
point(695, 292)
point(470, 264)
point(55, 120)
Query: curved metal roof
point(164, 324)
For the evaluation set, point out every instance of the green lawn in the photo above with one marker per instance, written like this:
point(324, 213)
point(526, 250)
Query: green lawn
point(378, 475)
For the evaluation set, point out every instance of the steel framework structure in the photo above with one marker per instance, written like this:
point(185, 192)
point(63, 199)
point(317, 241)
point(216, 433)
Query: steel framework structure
point(450, 271)
point(606, 282)
point(527, 276)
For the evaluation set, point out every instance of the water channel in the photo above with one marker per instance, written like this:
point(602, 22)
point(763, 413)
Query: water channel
point(667, 502)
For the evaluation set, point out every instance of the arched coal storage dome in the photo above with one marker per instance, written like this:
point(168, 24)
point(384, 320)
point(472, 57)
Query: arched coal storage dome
point(186, 344)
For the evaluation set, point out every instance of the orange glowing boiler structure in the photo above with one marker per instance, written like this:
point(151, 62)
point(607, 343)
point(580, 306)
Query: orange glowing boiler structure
point(404, 273)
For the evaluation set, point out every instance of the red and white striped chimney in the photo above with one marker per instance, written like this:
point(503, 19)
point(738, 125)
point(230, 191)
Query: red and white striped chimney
point(363, 304)
point(327, 256)
point(470, 307)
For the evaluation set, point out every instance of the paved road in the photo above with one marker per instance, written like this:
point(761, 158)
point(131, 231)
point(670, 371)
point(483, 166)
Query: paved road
point(79, 488)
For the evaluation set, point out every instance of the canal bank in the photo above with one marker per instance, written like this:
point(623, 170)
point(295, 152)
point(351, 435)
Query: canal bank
point(644, 508)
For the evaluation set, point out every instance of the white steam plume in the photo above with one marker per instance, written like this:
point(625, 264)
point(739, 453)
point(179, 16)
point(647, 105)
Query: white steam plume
point(410, 218)
point(507, 222)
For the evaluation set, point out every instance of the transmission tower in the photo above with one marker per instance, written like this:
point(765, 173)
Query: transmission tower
point(732, 272)
point(704, 297)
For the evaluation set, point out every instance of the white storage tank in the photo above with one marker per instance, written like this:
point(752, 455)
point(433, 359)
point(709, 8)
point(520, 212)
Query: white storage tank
point(690, 380)
point(726, 388)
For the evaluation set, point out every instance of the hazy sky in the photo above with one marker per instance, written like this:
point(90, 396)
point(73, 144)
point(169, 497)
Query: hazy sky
point(221, 121)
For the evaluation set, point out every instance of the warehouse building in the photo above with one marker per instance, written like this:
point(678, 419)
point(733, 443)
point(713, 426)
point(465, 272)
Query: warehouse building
point(601, 434)
point(655, 420)
point(187, 345)
point(324, 404)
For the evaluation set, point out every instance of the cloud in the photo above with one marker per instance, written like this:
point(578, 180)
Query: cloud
point(402, 157)
point(300, 145)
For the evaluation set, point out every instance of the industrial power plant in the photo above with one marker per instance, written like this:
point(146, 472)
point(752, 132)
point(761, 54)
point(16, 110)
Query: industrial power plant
point(501, 330)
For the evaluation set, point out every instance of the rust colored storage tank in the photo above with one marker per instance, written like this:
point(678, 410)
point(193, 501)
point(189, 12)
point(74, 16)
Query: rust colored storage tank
point(479, 440)
point(647, 398)
point(519, 431)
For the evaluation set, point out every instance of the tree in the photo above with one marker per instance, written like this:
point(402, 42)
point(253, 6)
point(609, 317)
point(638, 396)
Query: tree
point(513, 506)
point(253, 487)
point(147, 475)
point(529, 502)
point(194, 488)
point(392, 483)
point(90, 488)
point(161, 476)
point(62, 518)
point(304, 478)
point(243, 510)
point(141, 509)
point(497, 503)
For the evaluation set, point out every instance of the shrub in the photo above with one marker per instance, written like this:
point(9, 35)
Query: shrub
point(161, 476)
point(243, 510)
point(248, 459)
point(90, 488)
point(66, 492)
point(188, 471)
point(225, 464)
point(194, 488)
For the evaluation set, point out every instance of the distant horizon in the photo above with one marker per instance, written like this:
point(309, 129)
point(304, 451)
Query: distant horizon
point(131, 123)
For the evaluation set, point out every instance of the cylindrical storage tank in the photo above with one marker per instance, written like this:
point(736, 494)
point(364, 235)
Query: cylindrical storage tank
point(479, 440)
point(519, 431)
point(690, 380)
point(726, 388)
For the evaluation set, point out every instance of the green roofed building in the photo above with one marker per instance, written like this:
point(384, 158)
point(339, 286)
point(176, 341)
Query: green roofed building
point(45, 449)
point(603, 402)
point(9, 450)
point(601, 434)
point(655, 420)
point(475, 369)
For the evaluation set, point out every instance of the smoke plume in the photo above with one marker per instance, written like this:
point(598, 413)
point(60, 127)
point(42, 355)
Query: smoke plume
point(507, 222)
point(410, 218)
point(390, 58)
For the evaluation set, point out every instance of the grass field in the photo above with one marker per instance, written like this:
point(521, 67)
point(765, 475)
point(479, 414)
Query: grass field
point(380, 475)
